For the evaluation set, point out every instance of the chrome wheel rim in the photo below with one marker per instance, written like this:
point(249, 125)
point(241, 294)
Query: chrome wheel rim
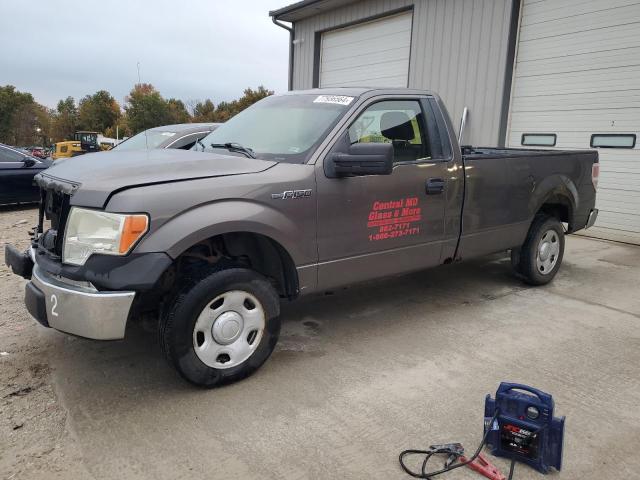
point(548, 252)
point(229, 329)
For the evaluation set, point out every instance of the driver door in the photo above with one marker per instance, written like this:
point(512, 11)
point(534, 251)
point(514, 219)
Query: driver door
point(16, 178)
point(379, 225)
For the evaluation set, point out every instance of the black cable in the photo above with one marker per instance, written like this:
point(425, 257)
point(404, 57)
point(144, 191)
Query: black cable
point(513, 464)
point(430, 453)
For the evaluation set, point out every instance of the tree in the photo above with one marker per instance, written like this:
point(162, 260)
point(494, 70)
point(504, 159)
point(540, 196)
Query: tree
point(250, 97)
point(98, 111)
point(44, 123)
point(177, 111)
point(207, 112)
point(146, 108)
point(66, 119)
point(23, 121)
point(17, 116)
point(204, 112)
point(119, 130)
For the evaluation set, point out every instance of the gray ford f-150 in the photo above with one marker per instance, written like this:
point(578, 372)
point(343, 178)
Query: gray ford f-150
point(299, 193)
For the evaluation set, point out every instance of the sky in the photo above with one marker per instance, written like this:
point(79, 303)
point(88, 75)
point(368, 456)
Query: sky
point(188, 49)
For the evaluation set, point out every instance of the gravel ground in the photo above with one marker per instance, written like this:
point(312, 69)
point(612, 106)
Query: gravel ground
point(34, 439)
point(356, 377)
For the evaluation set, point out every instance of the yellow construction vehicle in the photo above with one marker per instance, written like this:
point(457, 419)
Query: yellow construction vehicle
point(83, 142)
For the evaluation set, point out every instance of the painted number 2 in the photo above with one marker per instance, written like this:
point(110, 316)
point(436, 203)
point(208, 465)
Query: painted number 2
point(54, 301)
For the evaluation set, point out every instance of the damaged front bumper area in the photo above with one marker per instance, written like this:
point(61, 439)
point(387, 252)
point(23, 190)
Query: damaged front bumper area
point(70, 306)
point(21, 263)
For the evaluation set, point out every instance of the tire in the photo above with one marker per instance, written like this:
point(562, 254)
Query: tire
point(515, 260)
point(211, 331)
point(540, 257)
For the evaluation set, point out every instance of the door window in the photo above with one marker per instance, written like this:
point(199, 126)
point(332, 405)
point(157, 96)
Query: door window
point(399, 122)
point(7, 155)
point(188, 141)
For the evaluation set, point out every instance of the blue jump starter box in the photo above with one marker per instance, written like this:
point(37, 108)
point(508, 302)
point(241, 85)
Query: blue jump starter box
point(525, 428)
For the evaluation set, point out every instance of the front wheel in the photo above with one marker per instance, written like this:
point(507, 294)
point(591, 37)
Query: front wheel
point(222, 327)
point(540, 257)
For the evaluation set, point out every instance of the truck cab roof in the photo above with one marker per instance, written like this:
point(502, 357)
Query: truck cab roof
point(361, 91)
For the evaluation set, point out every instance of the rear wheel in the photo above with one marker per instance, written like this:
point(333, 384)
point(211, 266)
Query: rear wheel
point(540, 257)
point(222, 327)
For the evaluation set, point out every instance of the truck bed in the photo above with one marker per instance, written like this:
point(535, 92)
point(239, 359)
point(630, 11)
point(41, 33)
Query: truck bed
point(488, 152)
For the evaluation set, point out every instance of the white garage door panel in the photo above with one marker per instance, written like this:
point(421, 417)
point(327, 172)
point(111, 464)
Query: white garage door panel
point(537, 12)
point(581, 62)
point(615, 166)
point(610, 180)
point(584, 101)
point(388, 70)
point(621, 120)
point(598, 80)
point(370, 54)
point(585, 42)
point(618, 220)
point(388, 29)
point(616, 200)
point(344, 62)
point(611, 17)
point(577, 73)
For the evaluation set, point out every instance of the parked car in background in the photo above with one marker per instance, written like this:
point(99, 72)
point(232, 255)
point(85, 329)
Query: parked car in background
point(181, 135)
point(17, 169)
point(38, 152)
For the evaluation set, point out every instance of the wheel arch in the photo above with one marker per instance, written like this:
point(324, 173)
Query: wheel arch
point(556, 196)
point(262, 240)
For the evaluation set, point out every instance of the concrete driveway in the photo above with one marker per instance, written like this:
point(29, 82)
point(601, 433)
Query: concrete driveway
point(364, 373)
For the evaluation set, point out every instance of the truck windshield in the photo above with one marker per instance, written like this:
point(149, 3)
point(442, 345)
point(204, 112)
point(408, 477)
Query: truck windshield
point(281, 128)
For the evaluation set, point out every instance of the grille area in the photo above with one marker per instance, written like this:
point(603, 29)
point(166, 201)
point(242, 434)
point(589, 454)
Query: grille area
point(54, 206)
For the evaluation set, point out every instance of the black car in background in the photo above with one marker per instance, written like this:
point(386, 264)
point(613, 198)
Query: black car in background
point(181, 135)
point(17, 170)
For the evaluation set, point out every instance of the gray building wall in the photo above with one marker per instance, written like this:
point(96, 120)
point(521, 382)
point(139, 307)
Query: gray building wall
point(459, 50)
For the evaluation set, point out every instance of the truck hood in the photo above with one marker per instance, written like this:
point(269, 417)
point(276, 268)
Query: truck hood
point(93, 177)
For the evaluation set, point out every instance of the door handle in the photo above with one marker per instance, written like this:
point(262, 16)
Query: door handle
point(435, 186)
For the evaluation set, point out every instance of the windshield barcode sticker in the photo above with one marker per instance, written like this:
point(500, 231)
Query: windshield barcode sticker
point(339, 99)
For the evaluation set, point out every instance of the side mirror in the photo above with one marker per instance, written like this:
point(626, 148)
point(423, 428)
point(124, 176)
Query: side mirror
point(363, 159)
point(28, 162)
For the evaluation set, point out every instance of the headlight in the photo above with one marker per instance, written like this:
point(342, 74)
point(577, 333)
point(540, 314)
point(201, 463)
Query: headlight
point(94, 231)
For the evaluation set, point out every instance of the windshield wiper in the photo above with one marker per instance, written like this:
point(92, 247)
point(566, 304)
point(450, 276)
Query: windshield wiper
point(199, 142)
point(235, 147)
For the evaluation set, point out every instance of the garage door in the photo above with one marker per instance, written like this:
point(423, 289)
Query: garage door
point(374, 54)
point(577, 76)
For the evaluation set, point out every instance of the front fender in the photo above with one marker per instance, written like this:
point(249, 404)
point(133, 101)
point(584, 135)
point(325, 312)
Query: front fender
point(227, 216)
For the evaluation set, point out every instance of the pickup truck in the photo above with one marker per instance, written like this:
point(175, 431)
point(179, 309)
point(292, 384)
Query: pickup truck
point(300, 193)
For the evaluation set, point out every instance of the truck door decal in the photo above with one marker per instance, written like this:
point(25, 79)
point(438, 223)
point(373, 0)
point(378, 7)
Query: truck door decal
point(394, 219)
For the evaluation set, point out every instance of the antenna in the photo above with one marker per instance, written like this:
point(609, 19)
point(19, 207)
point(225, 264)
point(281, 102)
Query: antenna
point(146, 141)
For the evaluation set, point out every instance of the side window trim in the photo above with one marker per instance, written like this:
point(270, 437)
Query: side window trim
point(439, 150)
point(441, 129)
point(422, 125)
